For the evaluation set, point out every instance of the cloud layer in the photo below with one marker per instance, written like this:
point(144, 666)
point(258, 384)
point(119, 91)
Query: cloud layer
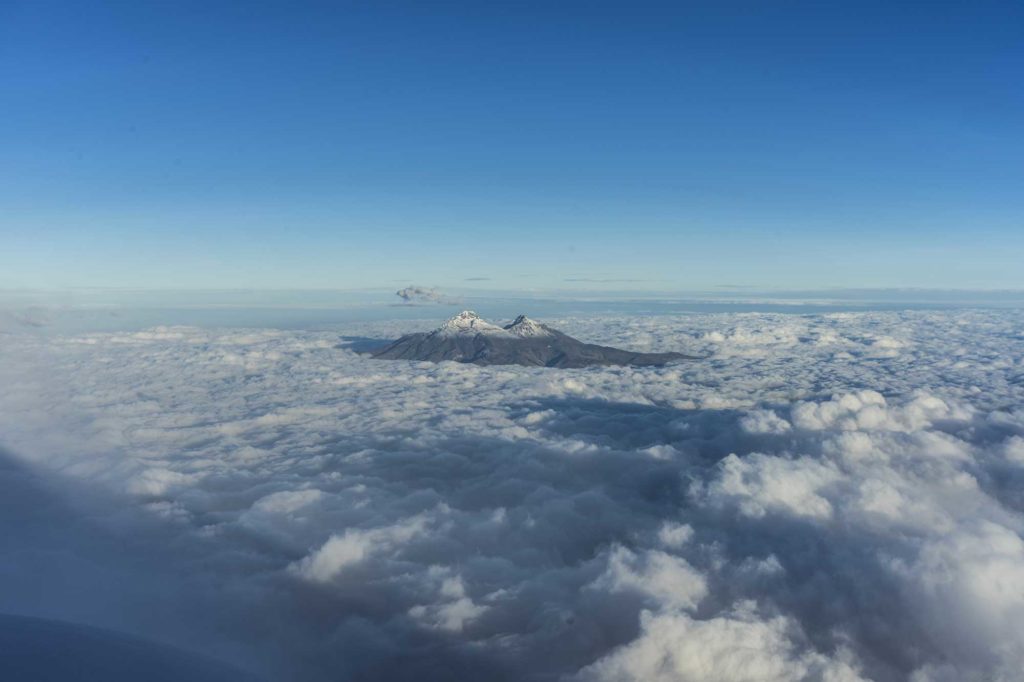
point(829, 497)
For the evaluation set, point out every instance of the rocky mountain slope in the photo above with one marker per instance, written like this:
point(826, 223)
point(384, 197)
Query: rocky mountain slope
point(468, 338)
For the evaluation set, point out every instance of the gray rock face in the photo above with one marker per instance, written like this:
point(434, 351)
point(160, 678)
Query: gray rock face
point(468, 338)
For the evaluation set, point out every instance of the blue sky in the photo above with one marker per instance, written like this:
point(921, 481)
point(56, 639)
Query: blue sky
point(655, 146)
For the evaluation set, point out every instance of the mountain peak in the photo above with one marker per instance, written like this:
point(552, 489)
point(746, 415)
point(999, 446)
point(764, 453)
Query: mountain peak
point(463, 316)
point(524, 326)
point(467, 322)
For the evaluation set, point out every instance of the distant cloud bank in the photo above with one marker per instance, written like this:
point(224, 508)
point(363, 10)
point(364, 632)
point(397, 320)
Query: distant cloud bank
point(603, 280)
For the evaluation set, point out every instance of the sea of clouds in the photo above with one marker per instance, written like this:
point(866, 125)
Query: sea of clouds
point(828, 498)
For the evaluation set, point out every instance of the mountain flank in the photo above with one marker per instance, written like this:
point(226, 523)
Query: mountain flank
point(469, 338)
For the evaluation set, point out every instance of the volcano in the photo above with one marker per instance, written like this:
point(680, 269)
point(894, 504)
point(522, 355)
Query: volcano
point(469, 338)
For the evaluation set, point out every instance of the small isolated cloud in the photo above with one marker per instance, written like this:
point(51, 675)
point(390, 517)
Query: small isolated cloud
point(416, 295)
point(477, 279)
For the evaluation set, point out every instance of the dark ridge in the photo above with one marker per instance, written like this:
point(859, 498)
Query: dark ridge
point(524, 342)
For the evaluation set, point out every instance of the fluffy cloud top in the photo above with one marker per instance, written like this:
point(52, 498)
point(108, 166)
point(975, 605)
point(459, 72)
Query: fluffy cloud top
point(826, 498)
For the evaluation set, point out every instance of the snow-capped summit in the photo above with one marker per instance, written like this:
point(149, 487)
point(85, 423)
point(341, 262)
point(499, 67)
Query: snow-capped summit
point(524, 326)
point(467, 322)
